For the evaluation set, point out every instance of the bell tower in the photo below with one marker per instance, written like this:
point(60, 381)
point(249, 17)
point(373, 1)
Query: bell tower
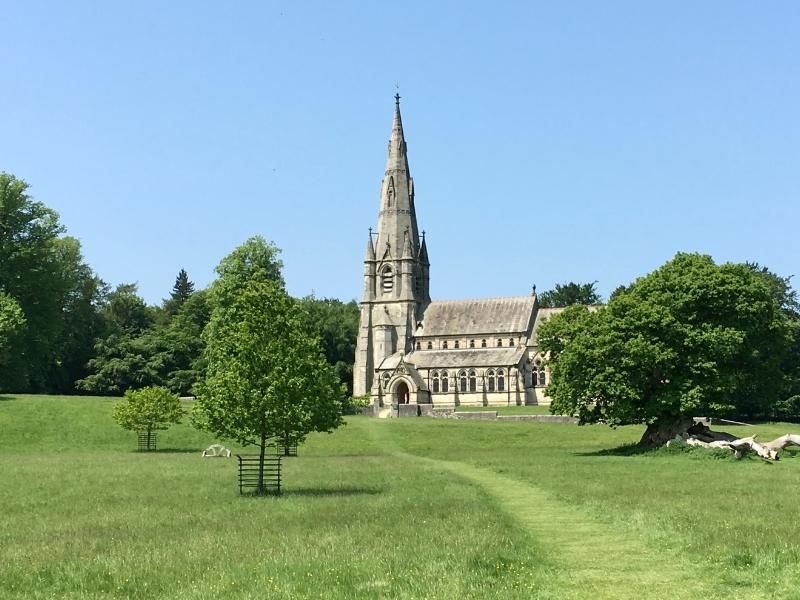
point(396, 268)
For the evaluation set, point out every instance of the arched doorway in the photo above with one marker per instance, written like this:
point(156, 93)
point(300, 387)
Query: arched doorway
point(401, 394)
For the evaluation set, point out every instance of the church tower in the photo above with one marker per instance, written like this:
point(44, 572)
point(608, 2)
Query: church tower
point(396, 269)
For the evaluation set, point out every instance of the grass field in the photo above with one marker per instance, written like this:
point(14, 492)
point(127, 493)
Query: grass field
point(405, 508)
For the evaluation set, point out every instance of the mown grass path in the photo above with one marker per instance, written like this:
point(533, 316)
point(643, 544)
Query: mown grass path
point(593, 558)
point(607, 562)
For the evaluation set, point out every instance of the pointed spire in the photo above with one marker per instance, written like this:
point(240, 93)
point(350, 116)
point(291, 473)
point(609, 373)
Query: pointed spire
point(423, 251)
point(370, 247)
point(397, 159)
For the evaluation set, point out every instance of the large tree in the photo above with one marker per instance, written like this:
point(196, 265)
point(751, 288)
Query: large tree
point(692, 338)
point(57, 293)
point(267, 379)
point(567, 294)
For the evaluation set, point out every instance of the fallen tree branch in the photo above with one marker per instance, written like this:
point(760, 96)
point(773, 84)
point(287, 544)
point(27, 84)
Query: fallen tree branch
point(702, 436)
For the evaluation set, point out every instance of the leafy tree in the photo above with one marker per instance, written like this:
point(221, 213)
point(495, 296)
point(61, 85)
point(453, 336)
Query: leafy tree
point(336, 324)
point(691, 338)
point(266, 376)
point(125, 312)
point(168, 355)
point(570, 293)
point(56, 291)
point(148, 410)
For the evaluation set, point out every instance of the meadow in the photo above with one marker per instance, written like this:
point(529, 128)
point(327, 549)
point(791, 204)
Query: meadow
point(403, 508)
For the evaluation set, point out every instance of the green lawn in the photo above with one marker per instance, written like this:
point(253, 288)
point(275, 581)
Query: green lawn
point(405, 508)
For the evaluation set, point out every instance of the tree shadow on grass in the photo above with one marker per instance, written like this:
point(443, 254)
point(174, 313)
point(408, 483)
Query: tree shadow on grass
point(169, 451)
point(624, 450)
point(322, 492)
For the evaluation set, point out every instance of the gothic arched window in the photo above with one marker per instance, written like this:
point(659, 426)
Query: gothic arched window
point(473, 381)
point(483, 343)
point(501, 381)
point(430, 345)
point(444, 345)
point(418, 345)
point(462, 381)
point(435, 381)
point(387, 279)
point(499, 342)
point(472, 343)
point(455, 345)
point(542, 377)
point(511, 342)
point(490, 380)
point(445, 383)
point(386, 378)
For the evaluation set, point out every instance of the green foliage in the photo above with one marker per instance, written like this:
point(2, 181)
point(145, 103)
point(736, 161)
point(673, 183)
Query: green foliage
point(266, 375)
point(353, 404)
point(336, 324)
point(148, 409)
point(140, 353)
point(125, 312)
point(57, 293)
point(11, 323)
point(181, 292)
point(570, 293)
point(255, 260)
point(691, 338)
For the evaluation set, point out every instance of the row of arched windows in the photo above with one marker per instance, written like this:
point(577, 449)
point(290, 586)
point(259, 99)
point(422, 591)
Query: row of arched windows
point(467, 381)
point(457, 344)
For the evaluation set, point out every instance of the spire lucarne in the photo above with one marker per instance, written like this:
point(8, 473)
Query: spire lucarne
point(395, 269)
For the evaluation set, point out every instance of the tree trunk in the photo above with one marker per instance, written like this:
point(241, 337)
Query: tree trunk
point(149, 439)
point(261, 490)
point(660, 432)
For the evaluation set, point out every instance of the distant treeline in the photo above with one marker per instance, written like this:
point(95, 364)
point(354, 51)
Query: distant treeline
point(64, 330)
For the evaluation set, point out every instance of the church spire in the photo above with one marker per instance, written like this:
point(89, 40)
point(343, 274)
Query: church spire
point(397, 212)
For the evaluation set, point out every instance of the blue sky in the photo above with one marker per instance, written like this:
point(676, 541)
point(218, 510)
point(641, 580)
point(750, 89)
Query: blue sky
point(548, 141)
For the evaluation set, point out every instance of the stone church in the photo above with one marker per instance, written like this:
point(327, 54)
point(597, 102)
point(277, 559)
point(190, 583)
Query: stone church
point(425, 353)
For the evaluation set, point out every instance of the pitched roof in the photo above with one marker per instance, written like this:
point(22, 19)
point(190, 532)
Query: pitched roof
point(473, 317)
point(453, 359)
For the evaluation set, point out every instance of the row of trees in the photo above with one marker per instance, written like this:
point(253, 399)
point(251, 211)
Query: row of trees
point(62, 329)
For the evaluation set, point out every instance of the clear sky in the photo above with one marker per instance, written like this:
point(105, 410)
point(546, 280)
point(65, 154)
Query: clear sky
point(548, 142)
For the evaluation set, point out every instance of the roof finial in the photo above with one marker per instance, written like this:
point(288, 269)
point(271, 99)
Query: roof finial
point(397, 93)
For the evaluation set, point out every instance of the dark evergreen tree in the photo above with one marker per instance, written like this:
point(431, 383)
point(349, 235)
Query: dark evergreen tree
point(180, 293)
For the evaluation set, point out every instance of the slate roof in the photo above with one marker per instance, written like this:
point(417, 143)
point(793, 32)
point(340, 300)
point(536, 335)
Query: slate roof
point(474, 317)
point(542, 315)
point(453, 359)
